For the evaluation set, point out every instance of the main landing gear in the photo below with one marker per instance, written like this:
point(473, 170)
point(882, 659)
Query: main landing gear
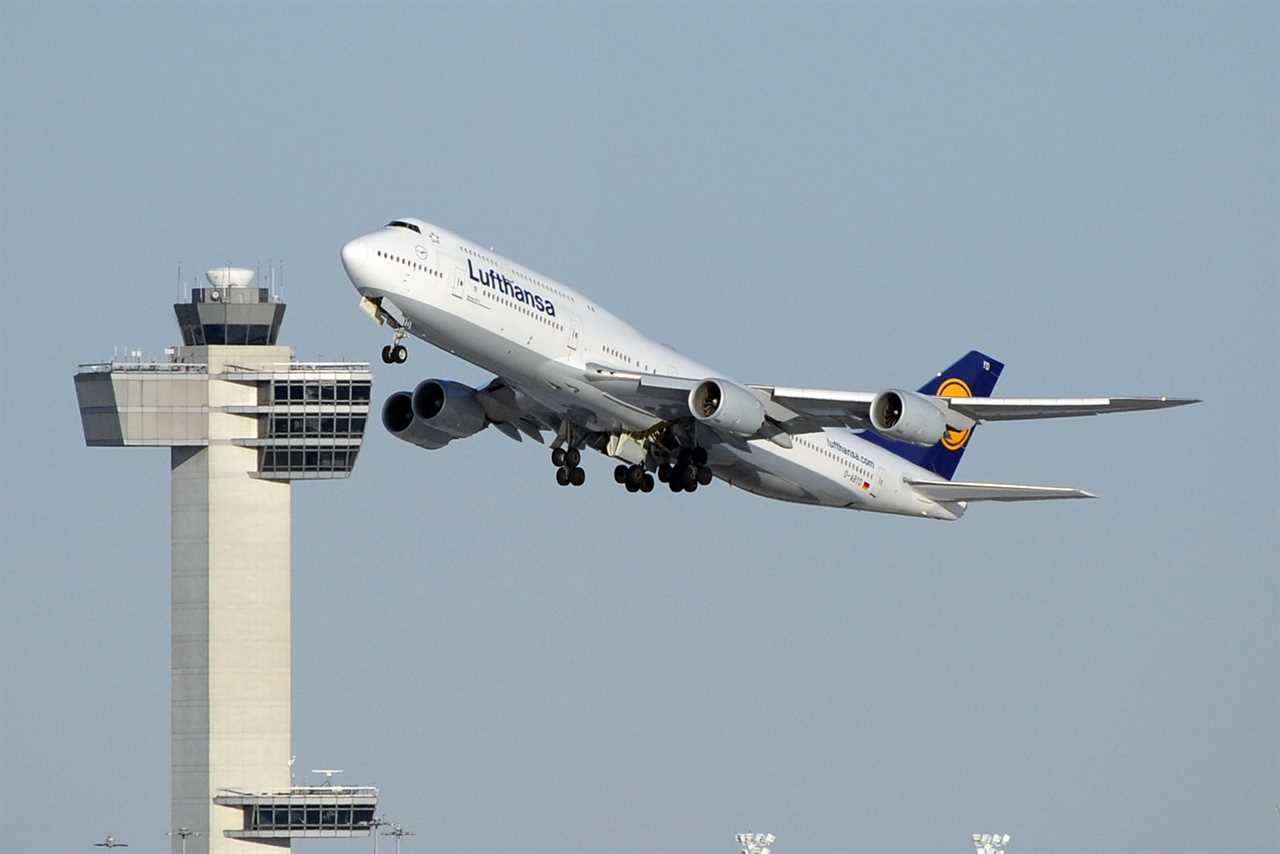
point(634, 478)
point(689, 471)
point(568, 470)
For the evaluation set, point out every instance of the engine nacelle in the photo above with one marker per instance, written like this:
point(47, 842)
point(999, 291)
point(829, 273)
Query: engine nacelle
point(448, 407)
point(726, 406)
point(908, 416)
point(398, 418)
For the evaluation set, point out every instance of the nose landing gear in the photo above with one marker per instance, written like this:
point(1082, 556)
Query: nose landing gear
point(395, 354)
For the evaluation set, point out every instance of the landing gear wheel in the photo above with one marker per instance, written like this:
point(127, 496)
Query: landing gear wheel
point(400, 354)
point(572, 457)
point(664, 472)
point(577, 476)
point(704, 476)
point(687, 477)
point(562, 476)
point(675, 485)
point(635, 477)
point(557, 457)
point(386, 354)
point(646, 484)
point(698, 457)
point(620, 473)
point(692, 487)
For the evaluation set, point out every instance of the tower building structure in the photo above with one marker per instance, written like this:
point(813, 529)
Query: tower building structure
point(243, 419)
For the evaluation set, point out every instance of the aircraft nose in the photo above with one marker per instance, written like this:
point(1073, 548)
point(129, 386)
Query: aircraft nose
point(355, 258)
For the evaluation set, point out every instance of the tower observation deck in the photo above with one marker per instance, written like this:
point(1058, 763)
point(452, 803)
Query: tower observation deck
point(243, 419)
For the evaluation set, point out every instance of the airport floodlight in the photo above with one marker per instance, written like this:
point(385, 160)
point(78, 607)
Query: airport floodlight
point(399, 833)
point(183, 833)
point(755, 843)
point(990, 843)
point(373, 825)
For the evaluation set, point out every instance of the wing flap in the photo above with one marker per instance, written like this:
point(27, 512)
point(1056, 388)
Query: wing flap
point(944, 490)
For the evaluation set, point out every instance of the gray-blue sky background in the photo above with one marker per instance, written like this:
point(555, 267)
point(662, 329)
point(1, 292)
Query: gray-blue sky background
point(831, 196)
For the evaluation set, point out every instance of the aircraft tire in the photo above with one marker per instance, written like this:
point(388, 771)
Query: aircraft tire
point(698, 457)
point(572, 457)
point(646, 485)
point(577, 476)
point(562, 476)
point(664, 472)
point(557, 457)
point(386, 354)
point(620, 473)
point(400, 354)
point(704, 475)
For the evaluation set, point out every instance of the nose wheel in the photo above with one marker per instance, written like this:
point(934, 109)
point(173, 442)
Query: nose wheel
point(395, 354)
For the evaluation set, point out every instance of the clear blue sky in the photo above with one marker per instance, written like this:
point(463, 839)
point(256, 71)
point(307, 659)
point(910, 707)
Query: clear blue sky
point(841, 196)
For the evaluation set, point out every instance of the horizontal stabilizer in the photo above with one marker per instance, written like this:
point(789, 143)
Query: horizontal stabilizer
point(950, 490)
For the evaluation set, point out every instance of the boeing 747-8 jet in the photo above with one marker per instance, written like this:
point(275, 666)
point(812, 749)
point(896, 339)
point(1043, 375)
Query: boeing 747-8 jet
point(567, 367)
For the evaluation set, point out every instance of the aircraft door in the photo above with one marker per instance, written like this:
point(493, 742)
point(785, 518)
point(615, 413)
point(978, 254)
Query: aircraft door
point(571, 328)
point(458, 282)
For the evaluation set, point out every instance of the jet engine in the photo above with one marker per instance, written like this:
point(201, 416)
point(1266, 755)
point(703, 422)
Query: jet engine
point(727, 406)
point(398, 418)
point(449, 408)
point(908, 416)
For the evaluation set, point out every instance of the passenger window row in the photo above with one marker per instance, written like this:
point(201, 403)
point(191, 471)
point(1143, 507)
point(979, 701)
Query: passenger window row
point(414, 264)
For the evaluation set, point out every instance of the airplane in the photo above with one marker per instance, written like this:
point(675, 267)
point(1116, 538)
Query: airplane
point(566, 366)
point(110, 842)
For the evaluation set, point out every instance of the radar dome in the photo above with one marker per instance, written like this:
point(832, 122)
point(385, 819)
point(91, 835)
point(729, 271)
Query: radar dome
point(230, 277)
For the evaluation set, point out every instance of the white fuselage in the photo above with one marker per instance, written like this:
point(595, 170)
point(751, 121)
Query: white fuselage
point(540, 336)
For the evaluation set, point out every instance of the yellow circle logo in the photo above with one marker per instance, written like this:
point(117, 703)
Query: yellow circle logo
point(954, 440)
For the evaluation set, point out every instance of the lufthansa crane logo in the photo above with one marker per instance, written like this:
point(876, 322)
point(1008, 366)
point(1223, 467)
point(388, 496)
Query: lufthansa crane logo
point(421, 251)
point(954, 440)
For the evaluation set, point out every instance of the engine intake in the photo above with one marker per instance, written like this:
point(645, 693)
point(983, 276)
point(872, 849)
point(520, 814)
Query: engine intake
point(908, 416)
point(727, 406)
point(398, 418)
point(448, 407)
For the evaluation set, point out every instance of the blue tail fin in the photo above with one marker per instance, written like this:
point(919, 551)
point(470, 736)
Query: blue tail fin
point(973, 375)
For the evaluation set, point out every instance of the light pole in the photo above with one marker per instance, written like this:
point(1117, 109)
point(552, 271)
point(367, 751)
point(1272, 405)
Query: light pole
point(374, 824)
point(755, 843)
point(183, 833)
point(399, 833)
point(990, 843)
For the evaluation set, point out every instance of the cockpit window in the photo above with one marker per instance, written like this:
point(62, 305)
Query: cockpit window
point(396, 223)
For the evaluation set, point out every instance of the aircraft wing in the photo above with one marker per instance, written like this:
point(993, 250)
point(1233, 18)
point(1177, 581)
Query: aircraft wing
point(952, 490)
point(805, 410)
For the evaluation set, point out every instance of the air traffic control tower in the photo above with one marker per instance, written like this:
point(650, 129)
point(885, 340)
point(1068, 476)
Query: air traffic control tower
point(243, 420)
